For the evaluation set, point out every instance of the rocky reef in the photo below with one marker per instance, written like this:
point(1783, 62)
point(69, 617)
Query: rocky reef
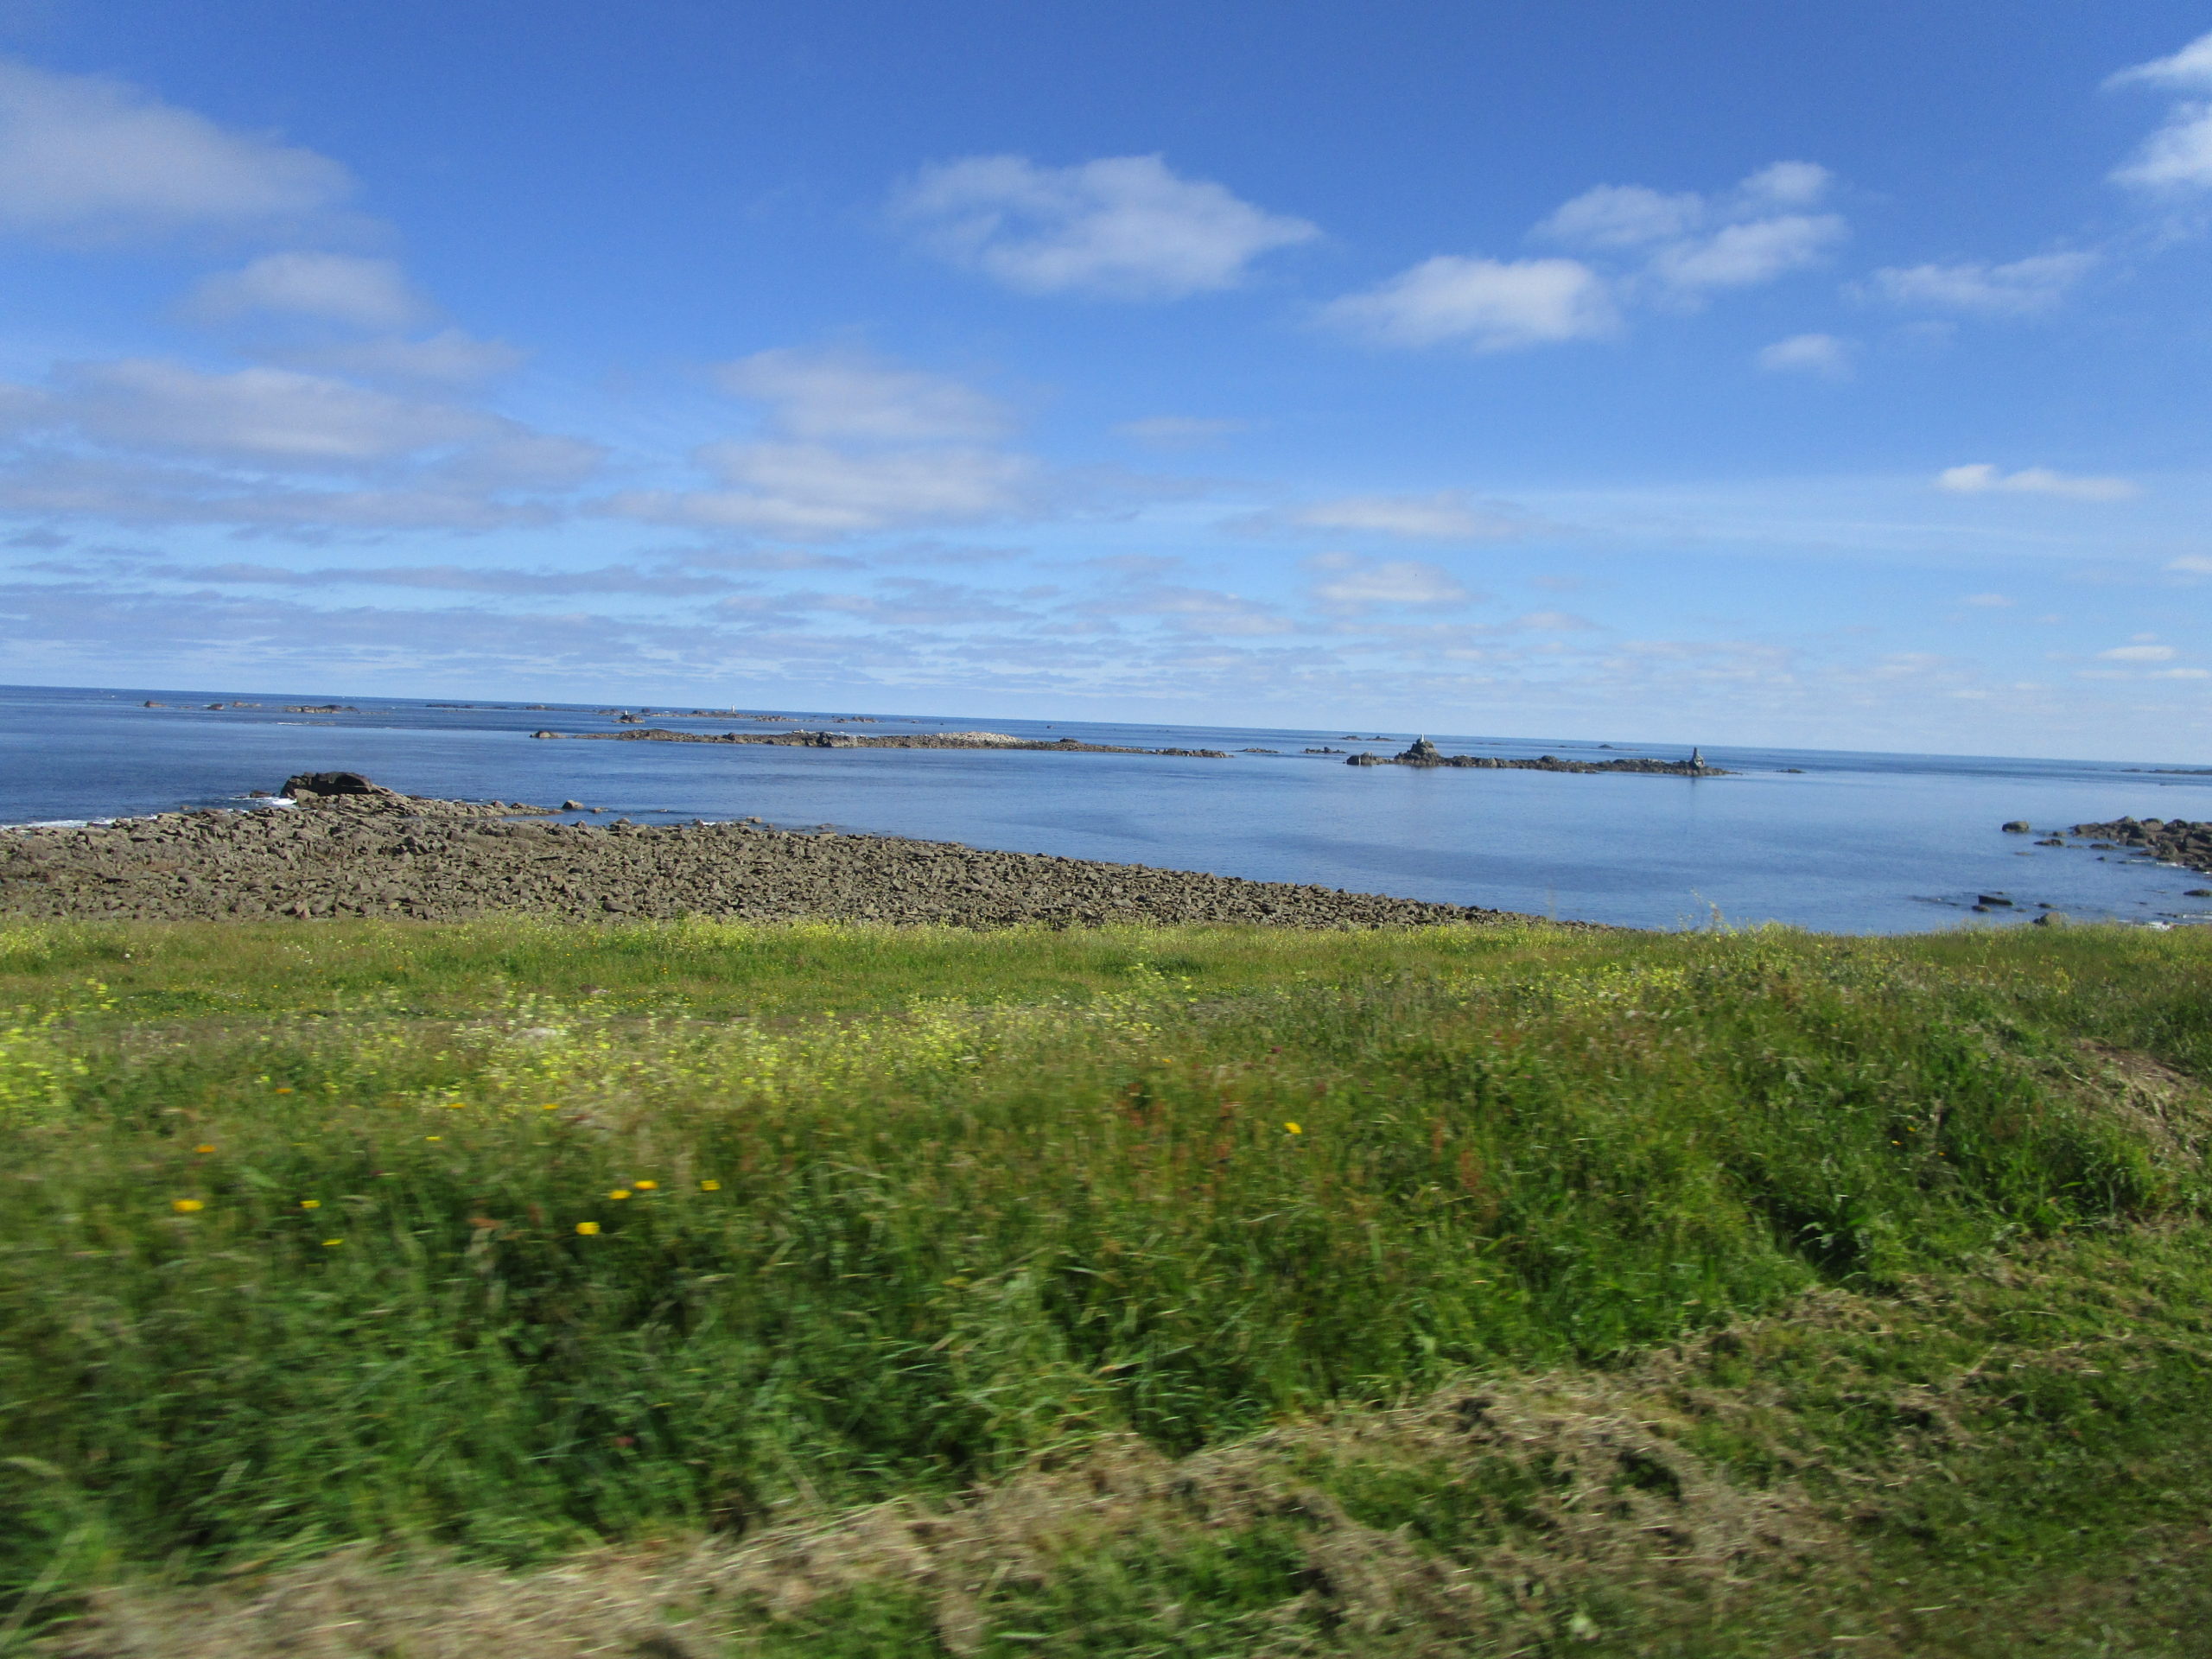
point(841, 740)
point(2176, 841)
point(1425, 753)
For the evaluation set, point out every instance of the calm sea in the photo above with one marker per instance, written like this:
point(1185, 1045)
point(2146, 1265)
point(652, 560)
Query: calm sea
point(1846, 842)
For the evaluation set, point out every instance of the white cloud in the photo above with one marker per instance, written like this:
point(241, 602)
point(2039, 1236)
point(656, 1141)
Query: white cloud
point(2194, 564)
point(1122, 227)
point(332, 287)
point(1740, 256)
point(1785, 184)
point(2137, 654)
point(1490, 305)
point(153, 441)
point(1694, 242)
point(2183, 674)
point(813, 490)
point(1444, 516)
point(1822, 355)
point(448, 357)
point(2179, 156)
point(1622, 216)
point(85, 157)
point(2189, 69)
point(855, 395)
point(2020, 288)
point(1982, 479)
point(275, 418)
point(1179, 431)
point(1352, 583)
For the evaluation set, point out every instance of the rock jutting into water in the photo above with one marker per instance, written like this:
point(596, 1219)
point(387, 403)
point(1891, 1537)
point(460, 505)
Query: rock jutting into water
point(352, 848)
point(1425, 753)
point(2176, 841)
point(841, 740)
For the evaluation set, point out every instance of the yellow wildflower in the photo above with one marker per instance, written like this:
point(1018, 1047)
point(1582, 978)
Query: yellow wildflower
point(620, 1193)
point(1293, 1128)
point(205, 1147)
point(588, 1228)
point(645, 1186)
point(332, 1244)
point(283, 1091)
point(434, 1137)
point(310, 1204)
point(550, 1106)
point(710, 1186)
point(186, 1206)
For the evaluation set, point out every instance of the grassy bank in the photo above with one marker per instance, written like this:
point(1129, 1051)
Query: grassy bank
point(512, 1241)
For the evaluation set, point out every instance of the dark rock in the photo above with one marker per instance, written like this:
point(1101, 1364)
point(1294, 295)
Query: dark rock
point(332, 782)
point(2052, 840)
point(2197, 893)
point(2050, 918)
point(1992, 899)
point(2018, 827)
point(572, 806)
point(2174, 841)
point(546, 733)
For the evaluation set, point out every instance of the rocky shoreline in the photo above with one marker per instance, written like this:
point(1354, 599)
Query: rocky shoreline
point(351, 848)
point(842, 741)
point(1422, 752)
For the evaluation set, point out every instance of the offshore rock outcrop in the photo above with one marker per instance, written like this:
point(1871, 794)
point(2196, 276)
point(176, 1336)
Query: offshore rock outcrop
point(366, 851)
point(842, 741)
point(2176, 841)
point(1425, 753)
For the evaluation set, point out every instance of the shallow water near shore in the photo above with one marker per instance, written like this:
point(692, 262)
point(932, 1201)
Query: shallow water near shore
point(1846, 842)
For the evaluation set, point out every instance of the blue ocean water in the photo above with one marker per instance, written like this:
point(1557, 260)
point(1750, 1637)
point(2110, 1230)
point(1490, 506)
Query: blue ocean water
point(1842, 842)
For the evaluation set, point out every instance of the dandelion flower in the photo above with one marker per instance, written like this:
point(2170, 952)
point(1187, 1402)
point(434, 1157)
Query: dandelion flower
point(332, 1244)
point(645, 1186)
point(186, 1206)
point(434, 1137)
point(550, 1106)
point(620, 1193)
point(457, 1105)
point(205, 1147)
point(1293, 1128)
point(283, 1091)
point(310, 1204)
point(710, 1186)
point(589, 1229)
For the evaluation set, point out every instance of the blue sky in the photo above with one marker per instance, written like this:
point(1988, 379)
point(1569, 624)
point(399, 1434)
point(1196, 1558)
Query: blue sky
point(1718, 373)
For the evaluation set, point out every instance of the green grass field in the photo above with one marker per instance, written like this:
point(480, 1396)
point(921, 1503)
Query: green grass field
point(1213, 1292)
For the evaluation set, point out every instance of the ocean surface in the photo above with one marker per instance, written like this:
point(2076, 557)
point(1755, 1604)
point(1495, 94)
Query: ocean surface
point(1842, 842)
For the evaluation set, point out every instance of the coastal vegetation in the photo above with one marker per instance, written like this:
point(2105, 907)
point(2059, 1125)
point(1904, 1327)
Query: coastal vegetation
point(695, 1287)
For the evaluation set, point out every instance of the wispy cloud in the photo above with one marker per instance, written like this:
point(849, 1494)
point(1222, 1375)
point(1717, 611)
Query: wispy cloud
point(1982, 477)
point(1346, 581)
point(2022, 288)
point(2177, 157)
point(1441, 516)
point(332, 287)
point(1123, 227)
point(1486, 305)
point(1824, 355)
